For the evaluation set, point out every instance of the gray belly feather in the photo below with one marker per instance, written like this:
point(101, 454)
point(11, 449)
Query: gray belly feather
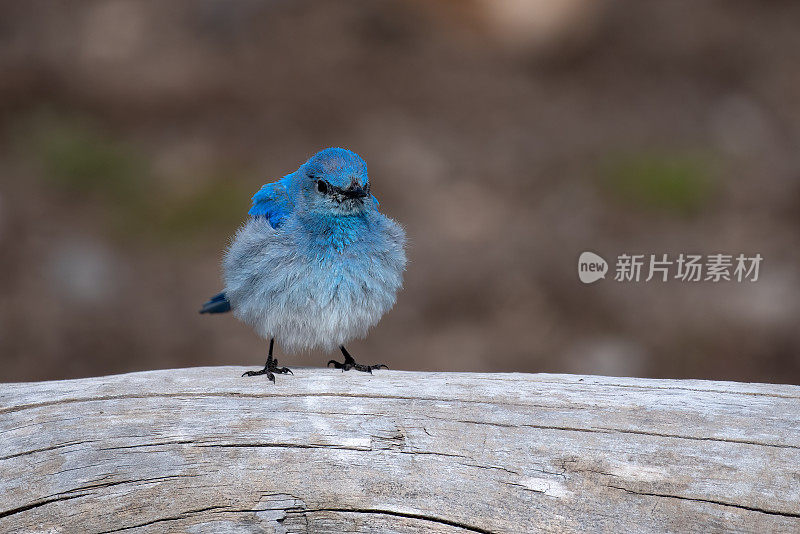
point(319, 299)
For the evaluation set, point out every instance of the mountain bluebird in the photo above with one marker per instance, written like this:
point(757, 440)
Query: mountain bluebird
point(316, 265)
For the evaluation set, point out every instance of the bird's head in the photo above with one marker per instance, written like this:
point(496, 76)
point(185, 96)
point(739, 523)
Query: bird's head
point(334, 181)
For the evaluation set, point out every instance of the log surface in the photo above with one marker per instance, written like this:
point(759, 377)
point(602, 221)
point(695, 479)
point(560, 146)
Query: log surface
point(206, 451)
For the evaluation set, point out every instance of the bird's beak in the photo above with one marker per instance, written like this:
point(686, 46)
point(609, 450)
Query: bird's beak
point(355, 191)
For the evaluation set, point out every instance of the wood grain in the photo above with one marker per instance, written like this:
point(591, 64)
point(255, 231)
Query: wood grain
point(204, 450)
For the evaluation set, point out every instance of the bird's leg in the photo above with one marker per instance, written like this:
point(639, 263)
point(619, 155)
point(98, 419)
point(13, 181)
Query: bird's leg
point(350, 363)
point(270, 367)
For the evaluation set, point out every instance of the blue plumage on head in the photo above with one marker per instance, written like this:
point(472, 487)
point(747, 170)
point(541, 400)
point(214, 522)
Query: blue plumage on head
point(336, 167)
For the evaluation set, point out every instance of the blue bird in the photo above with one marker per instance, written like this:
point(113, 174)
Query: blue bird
point(316, 265)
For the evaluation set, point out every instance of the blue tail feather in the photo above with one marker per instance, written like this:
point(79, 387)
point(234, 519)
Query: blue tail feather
point(219, 303)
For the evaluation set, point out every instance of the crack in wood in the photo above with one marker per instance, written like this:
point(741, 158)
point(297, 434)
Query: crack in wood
point(143, 445)
point(261, 445)
point(137, 481)
point(700, 438)
point(183, 515)
point(709, 501)
point(37, 504)
point(45, 449)
point(698, 390)
point(102, 398)
point(408, 515)
point(607, 430)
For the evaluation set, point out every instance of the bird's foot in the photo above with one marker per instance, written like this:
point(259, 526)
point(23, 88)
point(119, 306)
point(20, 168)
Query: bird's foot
point(270, 368)
point(350, 363)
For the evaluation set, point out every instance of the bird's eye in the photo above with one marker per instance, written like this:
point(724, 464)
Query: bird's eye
point(322, 186)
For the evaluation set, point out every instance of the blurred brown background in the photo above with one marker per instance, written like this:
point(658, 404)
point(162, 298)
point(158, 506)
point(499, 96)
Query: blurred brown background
point(508, 136)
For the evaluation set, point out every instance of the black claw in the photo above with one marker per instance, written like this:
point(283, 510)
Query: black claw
point(370, 368)
point(270, 367)
point(267, 372)
point(350, 363)
point(346, 366)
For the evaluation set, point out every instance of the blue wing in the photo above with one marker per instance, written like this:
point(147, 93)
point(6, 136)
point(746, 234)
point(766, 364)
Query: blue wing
point(272, 201)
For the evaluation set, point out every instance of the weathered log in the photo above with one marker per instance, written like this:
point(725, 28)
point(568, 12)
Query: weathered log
point(205, 450)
